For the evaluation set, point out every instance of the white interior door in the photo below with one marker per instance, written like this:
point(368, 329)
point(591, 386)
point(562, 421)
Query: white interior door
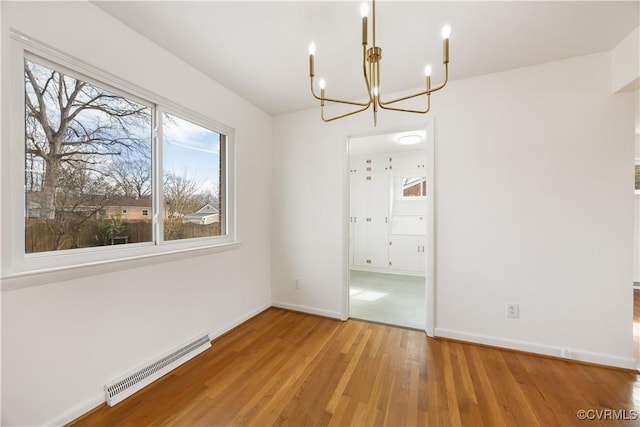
point(359, 224)
point(378, 219)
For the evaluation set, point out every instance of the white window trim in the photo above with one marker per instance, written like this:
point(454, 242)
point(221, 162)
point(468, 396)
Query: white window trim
point(20, 270)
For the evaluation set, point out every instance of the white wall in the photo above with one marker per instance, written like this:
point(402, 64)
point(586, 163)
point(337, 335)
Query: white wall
point(533, 206)
point(636, 241)
point(62, 342)
point(625, 71)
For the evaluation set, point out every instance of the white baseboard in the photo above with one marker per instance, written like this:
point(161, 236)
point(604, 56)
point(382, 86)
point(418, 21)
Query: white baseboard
point(78, 410)
point(542, 349)
point(307, 309)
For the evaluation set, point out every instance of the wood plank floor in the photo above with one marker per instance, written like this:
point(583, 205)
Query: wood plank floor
point(287, 368)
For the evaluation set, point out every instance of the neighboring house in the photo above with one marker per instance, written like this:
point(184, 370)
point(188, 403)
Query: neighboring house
point(129, 208)
point(203, 216)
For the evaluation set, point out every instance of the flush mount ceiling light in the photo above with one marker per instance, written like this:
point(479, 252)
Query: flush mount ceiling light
point(372, 56)
point(409, 139)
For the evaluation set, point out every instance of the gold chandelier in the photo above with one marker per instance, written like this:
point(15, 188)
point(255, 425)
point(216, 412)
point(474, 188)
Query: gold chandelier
point(372, 56)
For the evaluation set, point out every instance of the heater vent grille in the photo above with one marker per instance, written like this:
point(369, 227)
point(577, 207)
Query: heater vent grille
point(125, 386)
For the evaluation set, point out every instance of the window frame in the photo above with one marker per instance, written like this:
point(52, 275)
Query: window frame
point(15, 262)
point(224, 138)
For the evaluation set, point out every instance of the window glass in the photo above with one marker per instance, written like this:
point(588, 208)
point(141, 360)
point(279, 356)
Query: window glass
point(87, 157)
point(414, 186)
point(192, 179)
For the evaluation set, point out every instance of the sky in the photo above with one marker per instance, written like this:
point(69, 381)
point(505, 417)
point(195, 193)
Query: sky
point(192, 150)
point(189, 150)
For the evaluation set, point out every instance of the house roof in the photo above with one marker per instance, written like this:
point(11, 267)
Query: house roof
point(207, 209)
point(35, 197)
point(141, 202)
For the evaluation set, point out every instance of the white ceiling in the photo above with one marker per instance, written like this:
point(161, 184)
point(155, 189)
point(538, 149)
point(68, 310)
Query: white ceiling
point(259, 49)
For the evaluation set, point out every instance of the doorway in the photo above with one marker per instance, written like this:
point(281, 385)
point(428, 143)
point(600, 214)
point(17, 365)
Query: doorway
point(636, 255)
point(390, 278)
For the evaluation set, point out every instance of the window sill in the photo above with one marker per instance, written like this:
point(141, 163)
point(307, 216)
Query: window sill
point(29, 279)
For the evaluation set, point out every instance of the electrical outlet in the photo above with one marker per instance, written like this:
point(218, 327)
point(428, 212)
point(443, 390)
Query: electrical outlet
point(513, 311)
point(296, 285)
point(566, 353)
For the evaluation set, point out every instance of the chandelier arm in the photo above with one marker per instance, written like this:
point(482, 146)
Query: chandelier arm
point(404, 98)
point(342, 115)
point(312, 91)
point(376, 94)
point(426, 92)
point(322, 98)
point(408, 110)
point(364, 71)
point(339, 101)
point(446, 79)
point(405, 110)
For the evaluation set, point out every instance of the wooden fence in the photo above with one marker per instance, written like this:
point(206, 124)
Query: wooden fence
point(50, 235)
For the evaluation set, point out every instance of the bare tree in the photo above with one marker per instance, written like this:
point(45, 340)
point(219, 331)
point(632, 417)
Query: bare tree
point(132, 176)
point(85, 197)
point(70, 123)
point(181, 198)
point(210, 197)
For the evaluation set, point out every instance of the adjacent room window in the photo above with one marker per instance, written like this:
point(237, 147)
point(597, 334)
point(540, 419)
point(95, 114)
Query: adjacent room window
point(414, 186)
point(104, 166)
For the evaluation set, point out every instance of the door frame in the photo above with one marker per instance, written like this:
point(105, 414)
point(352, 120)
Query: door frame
point(430, 273)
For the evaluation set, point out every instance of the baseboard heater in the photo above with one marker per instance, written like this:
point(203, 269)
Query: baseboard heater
point(124, 386)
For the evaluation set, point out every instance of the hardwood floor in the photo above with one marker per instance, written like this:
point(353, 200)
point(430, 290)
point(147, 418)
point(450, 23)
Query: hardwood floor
point(287, 368)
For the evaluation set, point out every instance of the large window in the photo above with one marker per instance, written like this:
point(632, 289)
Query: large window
point(111, 171)
point(87, 158)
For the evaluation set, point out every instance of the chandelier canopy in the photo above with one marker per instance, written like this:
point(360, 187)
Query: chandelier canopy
point(371, 57)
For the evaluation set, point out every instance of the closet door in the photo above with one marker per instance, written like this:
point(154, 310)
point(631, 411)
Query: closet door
point(369, 212)
point(359, 194)
point(378, 219)
point(407, 253)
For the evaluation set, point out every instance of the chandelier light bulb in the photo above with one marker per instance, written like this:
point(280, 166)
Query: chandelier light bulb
point(312, 48)
point(322, 84)
point(375, 91)
point(446, 31)
point(364, 9)
point(427, 71)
